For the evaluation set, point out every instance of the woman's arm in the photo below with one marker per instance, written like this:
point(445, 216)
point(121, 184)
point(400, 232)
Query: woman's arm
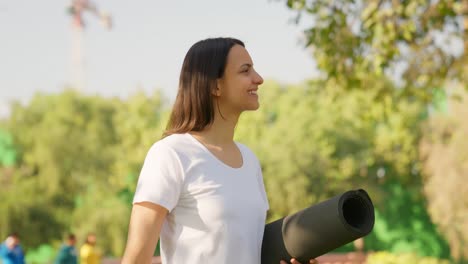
point(143, 233)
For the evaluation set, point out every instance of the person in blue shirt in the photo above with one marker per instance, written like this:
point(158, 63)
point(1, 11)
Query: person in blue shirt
point(67, 253)
point(11, 251)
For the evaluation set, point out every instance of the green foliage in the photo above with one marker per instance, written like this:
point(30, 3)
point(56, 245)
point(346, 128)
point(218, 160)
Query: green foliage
point(389, 258)
point(403, 225)
point(78, 157)
point(7, 150)
point(316, 141)
point(43, 254)
point(83, 155)
point(423, 42)
point(421, 46)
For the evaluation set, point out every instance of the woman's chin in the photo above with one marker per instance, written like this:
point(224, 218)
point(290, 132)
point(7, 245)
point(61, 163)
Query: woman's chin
point(253, 107)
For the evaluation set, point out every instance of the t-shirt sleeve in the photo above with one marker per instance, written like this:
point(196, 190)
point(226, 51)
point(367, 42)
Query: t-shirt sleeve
point(161, 180)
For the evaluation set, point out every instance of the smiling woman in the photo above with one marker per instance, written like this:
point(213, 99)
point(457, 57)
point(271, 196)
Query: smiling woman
point(239, 85)
point(199, 191)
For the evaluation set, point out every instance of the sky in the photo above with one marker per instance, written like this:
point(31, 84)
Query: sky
point(145, 48)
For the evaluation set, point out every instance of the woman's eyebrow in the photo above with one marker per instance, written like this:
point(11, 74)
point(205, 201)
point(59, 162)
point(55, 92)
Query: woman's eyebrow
point(248, 65)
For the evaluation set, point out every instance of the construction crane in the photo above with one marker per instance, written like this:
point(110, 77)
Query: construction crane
point(76, 9)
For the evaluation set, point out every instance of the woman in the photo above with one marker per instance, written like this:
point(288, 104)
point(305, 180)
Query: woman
point(199, 191)
point(11, 251)
point(67, 253)
point(89, 254)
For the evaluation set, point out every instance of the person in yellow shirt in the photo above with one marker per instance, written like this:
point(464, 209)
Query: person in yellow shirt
point(88, 252)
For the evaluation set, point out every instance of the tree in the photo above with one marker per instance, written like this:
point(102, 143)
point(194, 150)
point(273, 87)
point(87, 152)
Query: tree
point(317, 140)
point(423, 42)
point(77, 159)
point(444, 150)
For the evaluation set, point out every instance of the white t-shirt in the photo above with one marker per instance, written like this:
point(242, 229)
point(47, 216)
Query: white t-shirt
point(216, 212)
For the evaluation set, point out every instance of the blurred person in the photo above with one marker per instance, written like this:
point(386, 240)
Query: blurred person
point(199, 191)
point(67, 253)
point(89, 254)
point(11, 251)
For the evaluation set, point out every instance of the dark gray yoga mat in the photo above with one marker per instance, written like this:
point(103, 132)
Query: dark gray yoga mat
point(319, 228)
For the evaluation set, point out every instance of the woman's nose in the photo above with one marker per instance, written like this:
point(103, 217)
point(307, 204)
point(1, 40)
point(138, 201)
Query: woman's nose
point(258, 78)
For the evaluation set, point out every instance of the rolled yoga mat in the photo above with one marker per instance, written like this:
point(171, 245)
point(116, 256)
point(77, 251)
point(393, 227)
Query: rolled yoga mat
point(319, 228)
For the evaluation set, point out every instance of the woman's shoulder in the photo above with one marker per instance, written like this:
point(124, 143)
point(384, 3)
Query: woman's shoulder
point(173, 142)
point(173, 139)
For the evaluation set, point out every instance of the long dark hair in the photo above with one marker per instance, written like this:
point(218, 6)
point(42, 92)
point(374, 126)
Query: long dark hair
point(204, 63)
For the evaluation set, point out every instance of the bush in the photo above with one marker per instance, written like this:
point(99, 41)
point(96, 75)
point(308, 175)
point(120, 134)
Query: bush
point(43, 254)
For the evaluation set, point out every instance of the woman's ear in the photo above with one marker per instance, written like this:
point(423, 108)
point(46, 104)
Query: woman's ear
point(217, 90)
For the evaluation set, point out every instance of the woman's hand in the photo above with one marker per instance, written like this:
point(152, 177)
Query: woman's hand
point(294, 261)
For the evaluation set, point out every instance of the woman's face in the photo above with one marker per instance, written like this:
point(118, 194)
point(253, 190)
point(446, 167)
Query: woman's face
point(237, 89)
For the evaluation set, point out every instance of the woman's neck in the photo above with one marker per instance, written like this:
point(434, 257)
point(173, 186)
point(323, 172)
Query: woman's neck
point(220, 132)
